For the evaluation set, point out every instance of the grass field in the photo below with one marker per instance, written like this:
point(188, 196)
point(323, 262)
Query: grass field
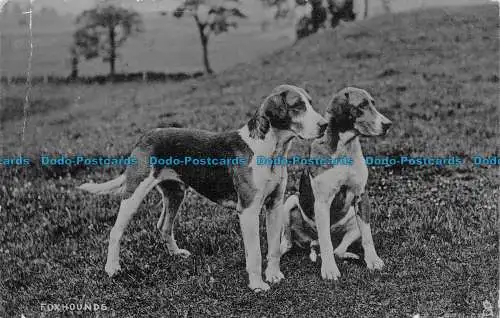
point(433, 73)
point(167, 45)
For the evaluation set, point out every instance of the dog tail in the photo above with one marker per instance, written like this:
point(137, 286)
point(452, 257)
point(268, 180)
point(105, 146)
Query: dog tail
point(115, 186)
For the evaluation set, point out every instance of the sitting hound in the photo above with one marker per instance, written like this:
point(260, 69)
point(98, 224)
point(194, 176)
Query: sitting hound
point(333, 197)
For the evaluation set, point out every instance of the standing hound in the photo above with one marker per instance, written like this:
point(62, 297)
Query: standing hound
point(332, 197)
point(283, 115)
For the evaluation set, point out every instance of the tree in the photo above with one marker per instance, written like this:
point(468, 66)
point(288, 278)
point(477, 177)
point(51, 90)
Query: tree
point(308, 25)
point(75, 61)
point(210, 19)
point(102, 30)
point(311, 23)
point(342, 10)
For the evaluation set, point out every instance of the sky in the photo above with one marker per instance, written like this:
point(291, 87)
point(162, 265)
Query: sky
point(76, 6)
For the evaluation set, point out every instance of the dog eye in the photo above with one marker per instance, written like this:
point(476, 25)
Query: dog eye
point(364, 103)
point(294, 110)
point(356, 112)
point(298, 106)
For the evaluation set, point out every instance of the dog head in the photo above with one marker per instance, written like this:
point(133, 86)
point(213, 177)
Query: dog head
point(353, 109)
point(288, 108)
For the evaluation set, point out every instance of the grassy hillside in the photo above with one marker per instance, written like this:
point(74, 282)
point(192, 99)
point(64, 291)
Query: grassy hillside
point(433, 73)
point(167, 45)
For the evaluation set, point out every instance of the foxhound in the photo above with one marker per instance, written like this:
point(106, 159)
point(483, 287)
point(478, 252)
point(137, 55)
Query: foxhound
point(333, 197)
point(285, 114)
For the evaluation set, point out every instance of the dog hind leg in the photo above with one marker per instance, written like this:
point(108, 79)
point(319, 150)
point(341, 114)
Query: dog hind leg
point(172, 193)
point(128, 207)
point(363, 219)
point(286, 234)
point(351, 235)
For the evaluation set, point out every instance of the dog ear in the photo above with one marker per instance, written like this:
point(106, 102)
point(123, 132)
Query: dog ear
point(258, 126)
point(337, 105)
point(275, 109)
point(290, 93)
point(291, 97)
point(339, 114)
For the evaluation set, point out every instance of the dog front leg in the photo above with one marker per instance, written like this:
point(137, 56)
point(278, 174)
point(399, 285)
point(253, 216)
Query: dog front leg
point(329, 269)
point(249, 222)
point(274, 223)
point(363, 218)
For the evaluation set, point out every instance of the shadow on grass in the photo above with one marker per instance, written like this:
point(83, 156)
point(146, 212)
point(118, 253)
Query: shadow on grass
point(14, 107)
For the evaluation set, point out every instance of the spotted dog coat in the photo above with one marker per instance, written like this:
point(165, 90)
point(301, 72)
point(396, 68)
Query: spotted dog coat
point(334, 197)
point(286, 113)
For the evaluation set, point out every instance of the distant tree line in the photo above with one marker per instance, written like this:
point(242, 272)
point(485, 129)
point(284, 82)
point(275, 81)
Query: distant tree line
point(102, 30)
point(102, 79)
point(320, 10)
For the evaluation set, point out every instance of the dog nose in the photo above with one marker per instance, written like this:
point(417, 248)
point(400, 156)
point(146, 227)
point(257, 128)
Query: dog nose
point(386, 126)
point(322, 126)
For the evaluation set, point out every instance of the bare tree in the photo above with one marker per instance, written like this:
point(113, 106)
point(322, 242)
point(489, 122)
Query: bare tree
point(210, 19)
point(75, 61)
point(102, 30)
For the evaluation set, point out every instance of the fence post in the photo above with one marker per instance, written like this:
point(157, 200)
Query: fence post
point(144, 76)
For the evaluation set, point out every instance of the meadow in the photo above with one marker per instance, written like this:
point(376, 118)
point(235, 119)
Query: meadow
point(434, 73)
point(167, 45)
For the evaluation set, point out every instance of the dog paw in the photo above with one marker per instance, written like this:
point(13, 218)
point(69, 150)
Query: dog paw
point(112, 268)
point(181, 252)
point(374, 262)
point(330, 271)
point(258, 286)
point(274, 275)
point(313, 256)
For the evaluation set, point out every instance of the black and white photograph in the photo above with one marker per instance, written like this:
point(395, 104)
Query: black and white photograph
point(249, 158)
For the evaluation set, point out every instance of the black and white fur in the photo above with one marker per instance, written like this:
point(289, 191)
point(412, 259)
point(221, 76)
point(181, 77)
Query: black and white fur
point(333, 197)
point(285, 114)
